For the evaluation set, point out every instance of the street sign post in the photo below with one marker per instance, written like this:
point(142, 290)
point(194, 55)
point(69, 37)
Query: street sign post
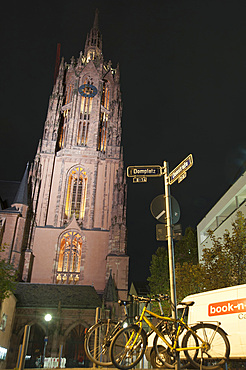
point(162, 211)
point(147, 171)
point(179, 173)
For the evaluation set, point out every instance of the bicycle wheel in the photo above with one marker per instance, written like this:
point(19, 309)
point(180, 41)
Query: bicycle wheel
point(127, 347)
point(213, 353)
point(163, 357)
point(97, 342)
point(155, 360)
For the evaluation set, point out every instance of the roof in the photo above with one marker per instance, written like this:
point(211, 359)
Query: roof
point(21, 195)
point(50, 295)
point(140, 288)
point(110, 291)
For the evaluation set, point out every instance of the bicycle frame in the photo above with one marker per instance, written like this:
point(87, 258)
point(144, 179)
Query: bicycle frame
point(203, 344)
point(180, 324)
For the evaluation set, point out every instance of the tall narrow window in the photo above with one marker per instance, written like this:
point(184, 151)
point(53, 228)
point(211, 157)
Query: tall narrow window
point(76, 194)
point(64, 136)
point(68, 96)
point(69, 259)
point(105, 95)
point(102, 135)
point(85, 114)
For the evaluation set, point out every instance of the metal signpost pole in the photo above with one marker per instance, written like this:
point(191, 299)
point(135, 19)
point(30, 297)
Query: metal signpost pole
point(170, 250)
point(24, 347)
point(140, 174)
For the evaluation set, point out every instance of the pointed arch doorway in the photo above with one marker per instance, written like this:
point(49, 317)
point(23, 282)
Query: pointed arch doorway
point(74, 348)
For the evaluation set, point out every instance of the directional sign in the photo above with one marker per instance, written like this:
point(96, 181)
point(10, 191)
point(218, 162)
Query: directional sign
point(149, 171)
point(180, 170)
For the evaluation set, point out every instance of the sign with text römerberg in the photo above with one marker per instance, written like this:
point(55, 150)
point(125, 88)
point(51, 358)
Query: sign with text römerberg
point(180, 169)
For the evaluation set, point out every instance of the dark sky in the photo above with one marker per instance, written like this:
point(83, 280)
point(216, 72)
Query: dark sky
point(183, 79)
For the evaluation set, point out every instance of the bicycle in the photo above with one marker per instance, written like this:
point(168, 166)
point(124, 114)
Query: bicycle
point(99, 336)
point(203, 344)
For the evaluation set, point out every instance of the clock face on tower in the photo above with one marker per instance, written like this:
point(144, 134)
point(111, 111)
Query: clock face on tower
point(87, 90)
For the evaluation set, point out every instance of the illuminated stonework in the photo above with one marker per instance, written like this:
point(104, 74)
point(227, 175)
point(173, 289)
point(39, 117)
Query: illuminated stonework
point(70, 252)
point(76, 194)
point(78, 181)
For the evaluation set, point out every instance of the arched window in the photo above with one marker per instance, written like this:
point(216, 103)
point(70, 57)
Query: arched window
point(46, 133)
point(76, 193)
point(69, 259)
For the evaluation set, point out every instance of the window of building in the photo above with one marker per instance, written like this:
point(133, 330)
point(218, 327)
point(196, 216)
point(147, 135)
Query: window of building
point(83, 133)
point(70, 252)
point(63, 136)
point(84, 116)
point(105, 95)
point(68, 94)
point(76, 194)
point(102, 135)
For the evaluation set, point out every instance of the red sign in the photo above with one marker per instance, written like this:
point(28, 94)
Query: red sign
point(227, 307)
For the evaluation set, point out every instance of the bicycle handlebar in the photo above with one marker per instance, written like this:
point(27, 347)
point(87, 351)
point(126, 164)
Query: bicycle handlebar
point(156, 298)
point(124, 303)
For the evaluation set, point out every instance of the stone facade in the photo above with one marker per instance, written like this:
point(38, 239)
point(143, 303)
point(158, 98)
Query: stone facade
point(78, 184)
point(66, 227)
point(7, 316)
point(72, 309)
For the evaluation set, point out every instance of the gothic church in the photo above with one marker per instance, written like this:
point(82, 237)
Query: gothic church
point(78, 188)
point(78, 184)
point(66, 225)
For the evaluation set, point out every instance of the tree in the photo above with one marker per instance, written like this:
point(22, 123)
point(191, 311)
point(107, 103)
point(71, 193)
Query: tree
point(7, 277)
point(224, 264)
point(186, 248)
point(159, 275)
point(189, 279)
point(185, 258)
point(187, 269)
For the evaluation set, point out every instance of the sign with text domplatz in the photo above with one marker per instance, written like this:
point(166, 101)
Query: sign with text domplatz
point(148, 171)
point(180, 169)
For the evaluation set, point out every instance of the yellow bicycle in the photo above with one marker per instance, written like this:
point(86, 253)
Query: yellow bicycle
point(203, 343)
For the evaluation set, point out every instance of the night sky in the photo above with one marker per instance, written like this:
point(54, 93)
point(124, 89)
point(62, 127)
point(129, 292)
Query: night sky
point(183, 79)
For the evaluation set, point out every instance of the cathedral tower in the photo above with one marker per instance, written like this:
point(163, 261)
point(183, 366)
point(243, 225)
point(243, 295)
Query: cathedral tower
point(78, 183)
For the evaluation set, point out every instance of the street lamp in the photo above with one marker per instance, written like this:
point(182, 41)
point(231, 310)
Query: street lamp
point(47, 319)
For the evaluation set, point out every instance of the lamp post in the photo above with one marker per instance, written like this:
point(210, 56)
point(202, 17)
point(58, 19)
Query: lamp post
point(47, 319)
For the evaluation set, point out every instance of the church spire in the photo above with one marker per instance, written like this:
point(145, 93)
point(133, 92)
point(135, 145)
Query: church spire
point(95, 24)
point(93, 45)
point(21, 196)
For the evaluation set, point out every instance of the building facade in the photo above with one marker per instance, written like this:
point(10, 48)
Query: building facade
point(78, 185)
point(223, 214)
point(67, 223)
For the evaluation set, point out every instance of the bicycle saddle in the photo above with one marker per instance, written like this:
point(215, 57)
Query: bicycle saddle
point(187, 304)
